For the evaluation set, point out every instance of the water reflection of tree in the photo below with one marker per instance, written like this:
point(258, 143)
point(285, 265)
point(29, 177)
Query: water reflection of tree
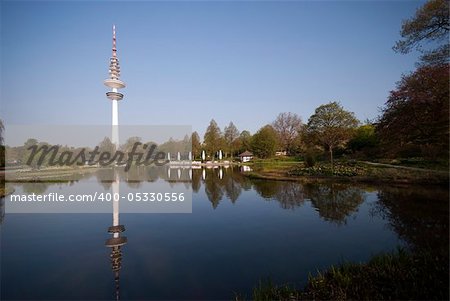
point(40, 187)
point(132, 177)
point(335, 202)
point(213, 187)
point(232, 185)
point(288, 194)
point(419, 216)
point(267, 189)
point(291, 195)
point(35, 187)
point(151, 174)
point(105, 177)
point(196, 179)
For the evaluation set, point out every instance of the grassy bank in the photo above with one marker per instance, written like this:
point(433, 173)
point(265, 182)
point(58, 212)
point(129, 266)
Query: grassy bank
point(348, 172)
point(48, 175)
point(61, 174)
point(397, 276)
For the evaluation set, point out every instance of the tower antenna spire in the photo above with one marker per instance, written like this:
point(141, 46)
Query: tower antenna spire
point(114, 49)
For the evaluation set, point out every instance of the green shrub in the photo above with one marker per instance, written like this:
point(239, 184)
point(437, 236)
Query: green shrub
point(348, 169)
point(310, 160)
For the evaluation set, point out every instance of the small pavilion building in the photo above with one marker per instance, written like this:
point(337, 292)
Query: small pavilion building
point(246, 156)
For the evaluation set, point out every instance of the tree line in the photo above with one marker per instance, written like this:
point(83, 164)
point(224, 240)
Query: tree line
point(414, 121)
point(329, 127)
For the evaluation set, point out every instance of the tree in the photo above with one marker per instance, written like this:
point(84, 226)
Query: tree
point(245, 139)
point(231, 133)
point(264, 142)
point(364, 138)
point(287, 125)
point(2, 147)
point(128, 146)
point(429, 25)
point(212, 138)
point(186, 145)
point(196, 145)
point(331, 126)
point(26, 152)
point(172, 147)
point(107, 146)
point(2, 156)
point(2, 129)
point(416, 114)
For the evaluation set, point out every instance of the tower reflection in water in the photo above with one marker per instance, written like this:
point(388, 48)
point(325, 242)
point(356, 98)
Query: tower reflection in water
point(117, 240)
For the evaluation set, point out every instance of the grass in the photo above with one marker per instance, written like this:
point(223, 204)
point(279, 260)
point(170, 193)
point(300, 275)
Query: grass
point(45, 175)
point(277, 159)
point(347, 171)
point(50, 175)
point(395, 276)
point(418, 163)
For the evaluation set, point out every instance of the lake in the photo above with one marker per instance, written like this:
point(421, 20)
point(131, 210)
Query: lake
point(240, 231)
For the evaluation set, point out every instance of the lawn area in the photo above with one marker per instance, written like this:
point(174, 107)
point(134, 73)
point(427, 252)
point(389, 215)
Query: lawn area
point(348, 170)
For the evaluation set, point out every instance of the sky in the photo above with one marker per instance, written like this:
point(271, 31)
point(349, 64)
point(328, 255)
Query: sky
point(186, 62)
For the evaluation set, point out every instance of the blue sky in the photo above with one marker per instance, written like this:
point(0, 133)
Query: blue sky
point(187, 62)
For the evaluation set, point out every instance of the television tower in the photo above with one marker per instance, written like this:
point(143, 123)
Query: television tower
point(115, 84)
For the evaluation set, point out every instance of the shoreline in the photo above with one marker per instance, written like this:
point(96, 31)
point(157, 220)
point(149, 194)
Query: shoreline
point(373, 173)
point(341, 179)
point(50, 175)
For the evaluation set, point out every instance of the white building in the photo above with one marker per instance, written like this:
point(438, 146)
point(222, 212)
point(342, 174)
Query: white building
point(246, 156)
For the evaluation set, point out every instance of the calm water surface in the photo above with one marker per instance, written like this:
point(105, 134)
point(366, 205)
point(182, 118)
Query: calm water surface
point(240, 231)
